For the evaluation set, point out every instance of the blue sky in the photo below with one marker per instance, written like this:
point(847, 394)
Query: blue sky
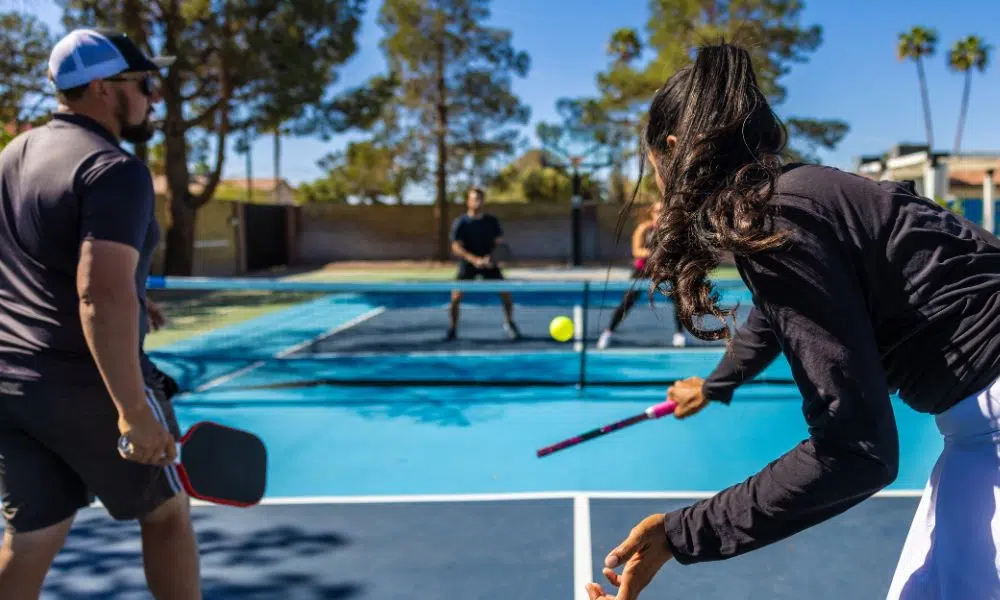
point(853, 76)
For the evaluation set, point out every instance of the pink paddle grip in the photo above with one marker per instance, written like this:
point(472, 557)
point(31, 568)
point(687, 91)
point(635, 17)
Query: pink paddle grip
point(661, 410)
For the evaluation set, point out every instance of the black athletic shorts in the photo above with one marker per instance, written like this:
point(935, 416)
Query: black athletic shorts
point(58, 451)
point(468, 271)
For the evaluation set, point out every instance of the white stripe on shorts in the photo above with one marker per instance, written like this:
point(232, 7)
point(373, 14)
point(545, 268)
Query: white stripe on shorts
point(171, 470)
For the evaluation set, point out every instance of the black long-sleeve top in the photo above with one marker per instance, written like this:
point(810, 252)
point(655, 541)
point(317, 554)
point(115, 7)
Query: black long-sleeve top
point(877, 291)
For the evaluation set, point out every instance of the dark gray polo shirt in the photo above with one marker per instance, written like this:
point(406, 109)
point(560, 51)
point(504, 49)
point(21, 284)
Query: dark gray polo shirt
point(59, 185)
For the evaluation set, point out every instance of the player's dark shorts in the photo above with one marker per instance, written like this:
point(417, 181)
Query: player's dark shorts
point(58, 451)
point(468, 271)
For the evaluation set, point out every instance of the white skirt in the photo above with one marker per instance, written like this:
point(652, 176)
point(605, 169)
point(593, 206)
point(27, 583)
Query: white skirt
point(952, 551)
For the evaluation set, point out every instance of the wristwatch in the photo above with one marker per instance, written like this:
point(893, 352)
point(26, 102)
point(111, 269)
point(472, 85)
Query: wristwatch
point(125, 445)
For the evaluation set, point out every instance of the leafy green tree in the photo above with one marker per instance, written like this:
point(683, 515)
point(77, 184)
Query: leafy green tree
point(769, 29)
point(385, 164)
point(455, 95)
point(813, 135)
point(588, 140)
point(967, 54)
point(917, 44)
point(363, 170)
point(241, 64)
point(406, 148)
point(625, 45)
point(330, 190)
point(25, 43)
point(553, 184)
point(545, 184)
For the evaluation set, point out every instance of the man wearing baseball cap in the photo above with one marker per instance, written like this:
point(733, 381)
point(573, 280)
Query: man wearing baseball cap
point(77, 233)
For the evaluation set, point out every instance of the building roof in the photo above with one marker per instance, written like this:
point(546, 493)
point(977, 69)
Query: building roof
point(971, 177)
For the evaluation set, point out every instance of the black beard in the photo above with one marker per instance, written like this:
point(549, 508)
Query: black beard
point(133, 134)
point(138, 134)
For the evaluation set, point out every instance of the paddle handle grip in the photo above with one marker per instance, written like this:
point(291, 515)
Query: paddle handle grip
point(661, 410)
point(125, 447)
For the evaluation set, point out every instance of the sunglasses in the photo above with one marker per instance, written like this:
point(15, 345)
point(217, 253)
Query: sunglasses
point(147, 84)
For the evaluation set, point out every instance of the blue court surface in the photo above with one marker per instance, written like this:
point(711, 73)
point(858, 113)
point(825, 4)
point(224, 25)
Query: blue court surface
point(383, 488)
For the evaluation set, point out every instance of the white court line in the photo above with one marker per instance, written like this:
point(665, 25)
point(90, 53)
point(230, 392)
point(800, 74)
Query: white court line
point(582, 548)
point(507, 497)
point(427, 353)
point(582, 532)
point(662, 351)
point(510, 497)
point(291, 350)
point(656, 352)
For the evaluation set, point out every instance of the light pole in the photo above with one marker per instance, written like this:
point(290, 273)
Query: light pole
point(576, 235)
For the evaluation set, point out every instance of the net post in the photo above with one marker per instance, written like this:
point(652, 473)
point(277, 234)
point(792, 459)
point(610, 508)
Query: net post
point(582, 329)
point(578, 324)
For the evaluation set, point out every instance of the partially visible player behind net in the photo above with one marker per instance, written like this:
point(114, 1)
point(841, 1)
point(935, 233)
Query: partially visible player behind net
point(642, 245)
point(474, 237)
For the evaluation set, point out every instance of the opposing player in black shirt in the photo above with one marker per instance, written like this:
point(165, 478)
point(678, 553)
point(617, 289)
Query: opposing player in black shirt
point(868, 290)
point(474, 236)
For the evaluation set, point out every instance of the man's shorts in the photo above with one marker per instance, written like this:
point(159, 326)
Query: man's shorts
point(58, 451)
point(467, 271)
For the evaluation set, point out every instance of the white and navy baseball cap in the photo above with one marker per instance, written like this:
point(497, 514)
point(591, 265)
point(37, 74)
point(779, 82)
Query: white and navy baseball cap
point(85, 55)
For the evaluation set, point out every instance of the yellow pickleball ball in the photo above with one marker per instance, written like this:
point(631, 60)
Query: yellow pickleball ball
point(561, 329)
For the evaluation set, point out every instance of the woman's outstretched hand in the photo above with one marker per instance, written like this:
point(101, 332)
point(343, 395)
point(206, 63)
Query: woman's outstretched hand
point(642, 553)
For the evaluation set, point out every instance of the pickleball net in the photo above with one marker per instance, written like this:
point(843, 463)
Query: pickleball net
point(268, 333)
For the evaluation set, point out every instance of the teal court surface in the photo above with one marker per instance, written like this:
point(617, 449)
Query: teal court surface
point(403, 465)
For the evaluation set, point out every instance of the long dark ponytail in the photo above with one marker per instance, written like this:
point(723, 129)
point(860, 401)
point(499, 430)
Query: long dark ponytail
point(718, 178)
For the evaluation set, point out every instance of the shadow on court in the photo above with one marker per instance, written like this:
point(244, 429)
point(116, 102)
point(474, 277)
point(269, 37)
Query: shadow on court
point(479, 550)
point(103, 559)
point(482, 550)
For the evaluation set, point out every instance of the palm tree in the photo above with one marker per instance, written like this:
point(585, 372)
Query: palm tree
point(967, 54)
point(914, 45)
